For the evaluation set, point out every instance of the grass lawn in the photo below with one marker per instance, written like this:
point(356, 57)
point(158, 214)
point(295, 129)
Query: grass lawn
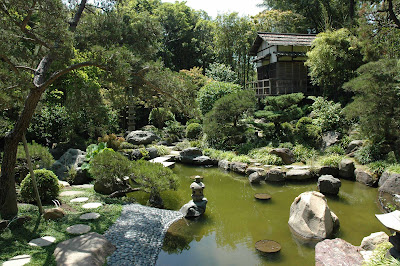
point(14, 240)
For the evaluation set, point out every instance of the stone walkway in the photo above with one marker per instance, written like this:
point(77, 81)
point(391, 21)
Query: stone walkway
point(138, 234)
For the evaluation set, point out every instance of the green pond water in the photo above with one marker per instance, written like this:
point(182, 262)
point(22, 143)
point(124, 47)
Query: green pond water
point(235, 220)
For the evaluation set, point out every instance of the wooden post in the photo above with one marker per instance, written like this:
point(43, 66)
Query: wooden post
point(28, 158)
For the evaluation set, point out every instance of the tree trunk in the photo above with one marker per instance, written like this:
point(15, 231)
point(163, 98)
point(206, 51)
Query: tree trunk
point(8, 197)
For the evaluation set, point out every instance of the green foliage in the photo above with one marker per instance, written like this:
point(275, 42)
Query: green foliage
point(113, 141)
point(226, 155)
point(273, 20)
point(109, 167)
point(309, 132)
point(47, 184)
point(334, 57)
point(153, 178)
point(222, 125)
point(50, 125)
point(335, 149)
point(332, 160)
point(159, 116)
point(91, 151)
point(376, 101)
point(327, 114)
point(394, 168)
point(303, 153)
point(213, 91)
point(173, 131)
point(263, 156)
point(378, 167)
point(368, 153)
point(221, 72)
point(183, 145)
point(193, 131)
point(162, 150)
point(379, 258)
point(39, 154)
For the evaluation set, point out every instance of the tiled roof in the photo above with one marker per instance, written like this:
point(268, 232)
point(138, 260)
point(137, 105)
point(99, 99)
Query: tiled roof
point(281, 39)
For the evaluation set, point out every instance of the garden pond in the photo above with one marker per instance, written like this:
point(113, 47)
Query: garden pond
point(234, 220)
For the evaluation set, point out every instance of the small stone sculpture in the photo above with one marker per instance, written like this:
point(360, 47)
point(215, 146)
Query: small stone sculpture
point(197, 206)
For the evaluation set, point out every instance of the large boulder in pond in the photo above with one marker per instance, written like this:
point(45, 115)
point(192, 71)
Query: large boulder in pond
point(328, 184)
point(298, 174)
point(346, 169)
point(73, 158)
point(224, 164)
point(139, 137)
point(286, 155)
point(328, 170)
point(191, 152)
point(275, 175)
point(204, 160)
point(194, 209)
point(238, 167)
point(310, 217)
point(255, 178)
point(333, 252)
point(195, 156)
point(365, 177)
point(373, 240)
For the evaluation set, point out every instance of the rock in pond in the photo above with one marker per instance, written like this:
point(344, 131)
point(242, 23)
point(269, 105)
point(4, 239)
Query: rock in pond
point(275, 175)
point(334, 252)
point(224, 164)
point(238, 167)
point(346, 169)
point(300, 174)
point(195, 156)
point(328, 170)
point(194, 209)
point(373, 240)
point(327, 184)
point(255, 178)
point(310, 217)
point(286, 155)
point(88, 249)
point(365, 177)
point(139, 137)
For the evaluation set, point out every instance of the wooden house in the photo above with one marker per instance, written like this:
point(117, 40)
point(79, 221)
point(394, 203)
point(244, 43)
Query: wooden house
point(280, 61)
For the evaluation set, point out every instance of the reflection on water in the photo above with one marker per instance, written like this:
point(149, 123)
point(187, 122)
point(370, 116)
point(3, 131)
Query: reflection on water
point(235, 220)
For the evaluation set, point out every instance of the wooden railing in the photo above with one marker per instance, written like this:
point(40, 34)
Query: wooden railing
point(268, 87)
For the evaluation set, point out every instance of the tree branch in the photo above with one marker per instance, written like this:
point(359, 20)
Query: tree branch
point(28, 17)
point(77, 17)
point(8, 61)
point(392, 14)
point(60, 73)
point(26, 68)
point(9, 88)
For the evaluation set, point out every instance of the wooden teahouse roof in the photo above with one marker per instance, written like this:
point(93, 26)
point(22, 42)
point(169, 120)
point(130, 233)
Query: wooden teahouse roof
point(294, 39)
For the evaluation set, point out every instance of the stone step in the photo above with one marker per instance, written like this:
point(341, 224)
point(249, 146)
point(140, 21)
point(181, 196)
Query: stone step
point(168, 164)
point(162, 159)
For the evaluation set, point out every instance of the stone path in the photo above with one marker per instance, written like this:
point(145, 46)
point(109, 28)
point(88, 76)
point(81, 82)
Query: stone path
point(42, 241)
point(18, 260)
point(164, 160)
point(138, 234)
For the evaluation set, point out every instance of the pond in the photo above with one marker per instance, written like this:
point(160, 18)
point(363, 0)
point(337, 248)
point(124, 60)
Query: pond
point(235, 220)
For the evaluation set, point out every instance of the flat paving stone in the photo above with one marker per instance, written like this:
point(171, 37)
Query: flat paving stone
point(83, 186)
point(71, 193)
point(42, 241)
point(92, 205)
point(81, 199)
point(138, 234)
point(89, 216)
point(78, 229)
point(18, 260)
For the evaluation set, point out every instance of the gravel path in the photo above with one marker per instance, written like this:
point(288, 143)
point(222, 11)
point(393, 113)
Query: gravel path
point(138, 234)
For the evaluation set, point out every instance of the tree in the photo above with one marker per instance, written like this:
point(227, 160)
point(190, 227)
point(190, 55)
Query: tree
point(232, 50)
point(221, 72)
point(212, 91)
point(376, 101)
point(222, 125)
point(280, 21)
point(333, 60)
point(36, 48)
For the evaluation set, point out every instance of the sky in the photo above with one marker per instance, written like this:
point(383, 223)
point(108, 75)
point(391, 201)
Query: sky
point(215, 7)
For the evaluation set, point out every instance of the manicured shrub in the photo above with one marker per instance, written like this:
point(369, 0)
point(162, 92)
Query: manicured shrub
point(159, 116)
point(109, 167)
point(327, 114)
point(308, 132)
point(193, 131)
point(113, 141)
point(47, 183)
point(173, 131)
point(213, 91)
point(153, 178)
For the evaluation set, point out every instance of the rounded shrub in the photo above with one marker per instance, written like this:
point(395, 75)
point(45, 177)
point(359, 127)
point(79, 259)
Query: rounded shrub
point(158, 117)
point(47, 183)
point(193, 131)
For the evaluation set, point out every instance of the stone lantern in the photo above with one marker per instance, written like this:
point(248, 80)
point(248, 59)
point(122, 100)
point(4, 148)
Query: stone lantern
point(392, 222)
point(197, 206)
point(197, 189)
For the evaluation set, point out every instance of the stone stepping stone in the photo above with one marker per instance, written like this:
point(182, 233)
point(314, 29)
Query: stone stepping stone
point(71, 193)
point(268, 246)
point(92, 205)
point(83, 186)
point(42, 241)
point(18, 260)
point(262, 196)
point(78, 229)
point(82, 199)
point(89, 216)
